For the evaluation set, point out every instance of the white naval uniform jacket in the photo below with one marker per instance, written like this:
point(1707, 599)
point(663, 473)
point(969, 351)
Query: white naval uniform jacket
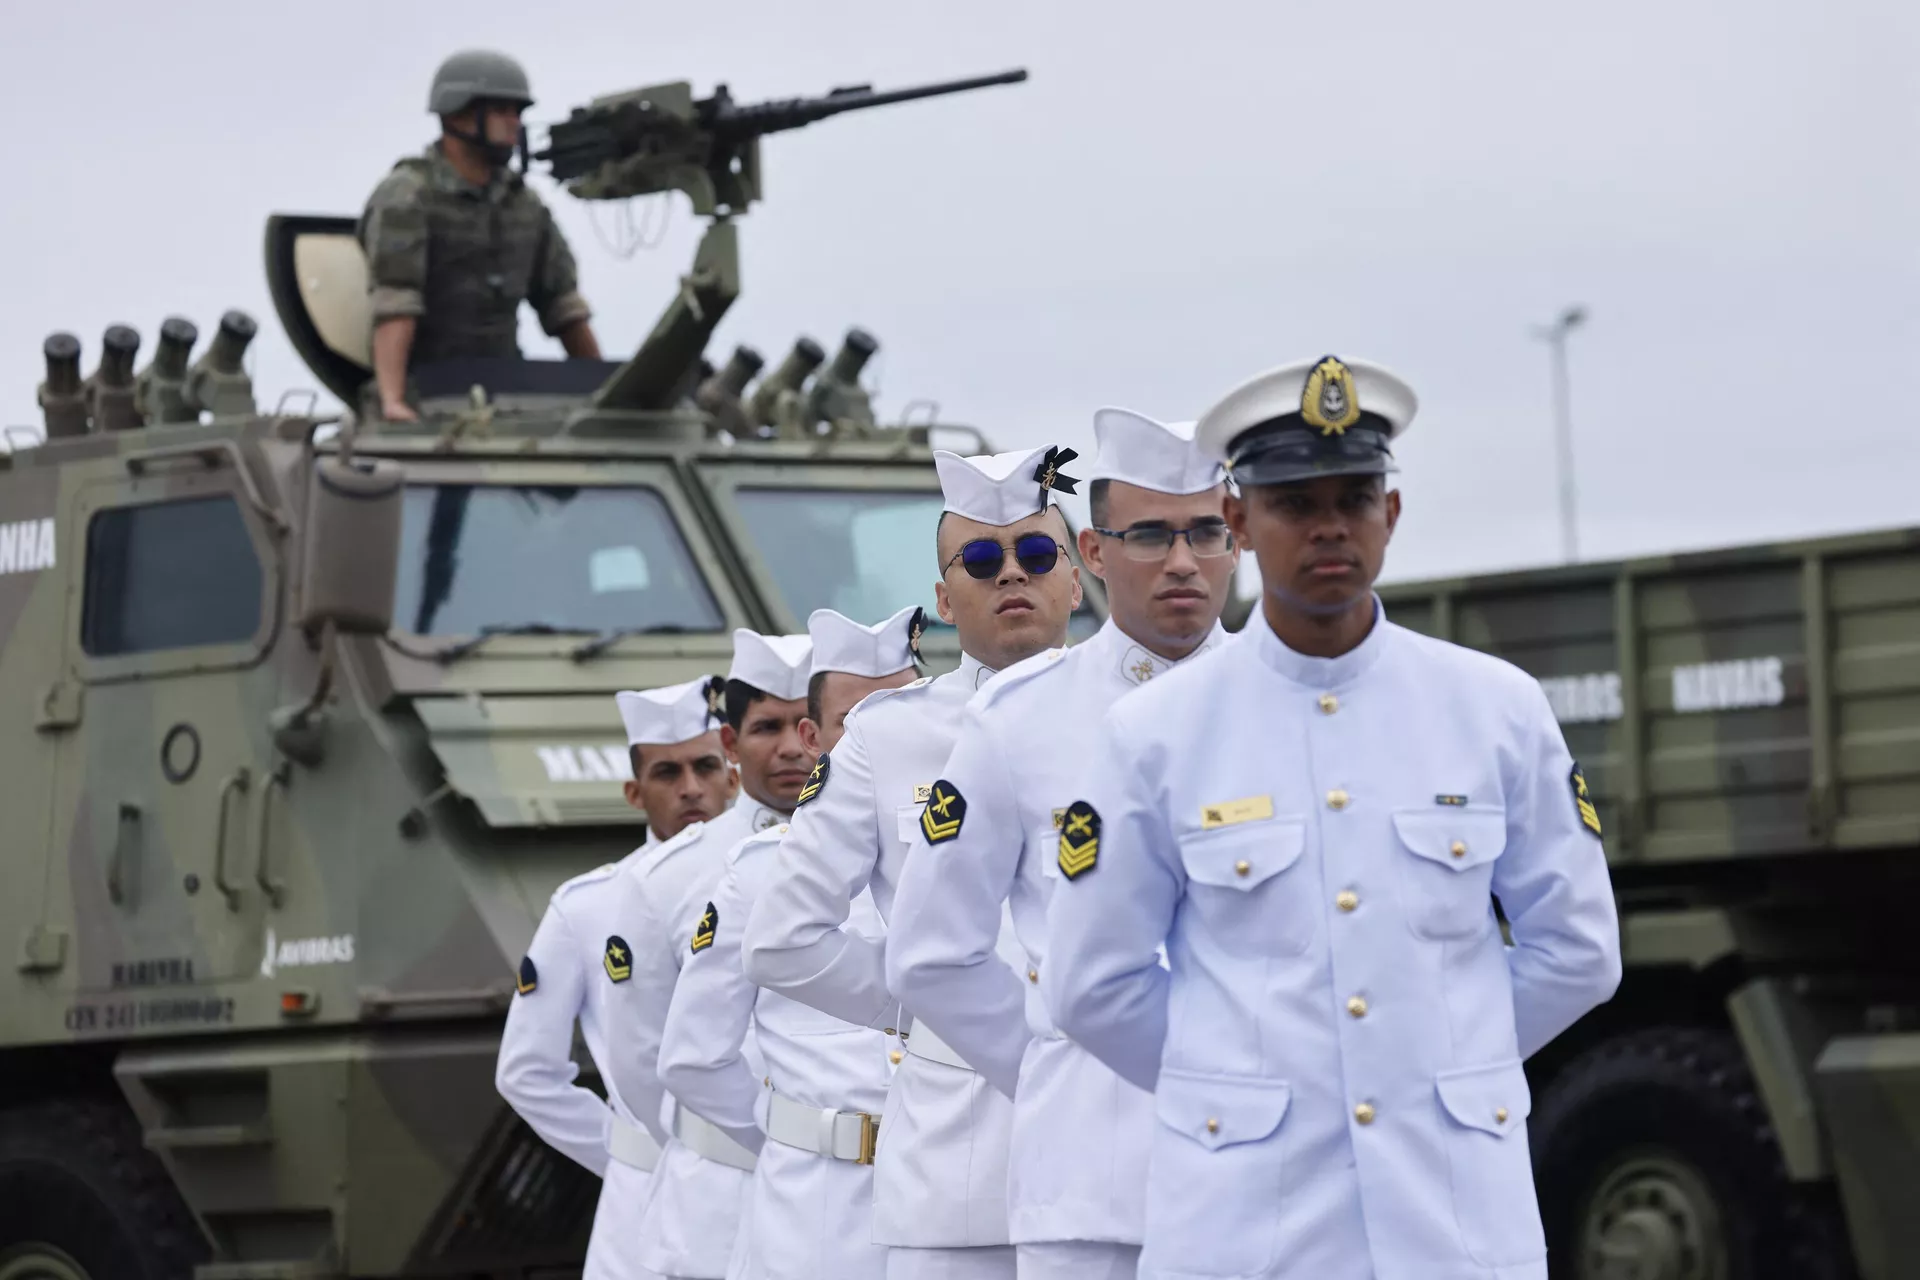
point(693, 1206)
point(940, 1177)
point(1080, 1133)
point(810, 1216)
point(1336, 1050)
point(536, 1072)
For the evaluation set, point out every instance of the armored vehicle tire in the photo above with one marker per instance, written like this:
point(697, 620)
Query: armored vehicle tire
point(82, 1199)
point(1654, 1160)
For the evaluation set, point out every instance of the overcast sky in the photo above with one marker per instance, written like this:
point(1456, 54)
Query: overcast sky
point(1183, 195)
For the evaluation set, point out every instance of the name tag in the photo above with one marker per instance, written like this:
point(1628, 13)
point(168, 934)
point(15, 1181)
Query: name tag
point(1252, 809)
point(921, 791)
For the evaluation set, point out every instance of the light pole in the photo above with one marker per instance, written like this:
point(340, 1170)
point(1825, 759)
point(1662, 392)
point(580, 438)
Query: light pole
point(1555, 336)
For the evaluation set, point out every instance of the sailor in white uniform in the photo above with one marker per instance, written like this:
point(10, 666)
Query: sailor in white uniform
point(825, 1082)
point(1007, 585)
point(1315, 822)
point(663, 900)
point(1077, 1183)
point(680, 777)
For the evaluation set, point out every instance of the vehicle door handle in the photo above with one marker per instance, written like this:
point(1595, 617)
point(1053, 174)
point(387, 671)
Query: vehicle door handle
point(236, 784)
point(126, 847)
point(270, 884)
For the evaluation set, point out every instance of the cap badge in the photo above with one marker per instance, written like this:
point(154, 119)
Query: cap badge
point(717, 698)
point(916, 627)
point(1048, 475)
point(1328, 400)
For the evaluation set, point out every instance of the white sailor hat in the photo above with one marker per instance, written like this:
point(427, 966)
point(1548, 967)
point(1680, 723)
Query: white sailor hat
point(1161, 456)
point(841, 644)
point(662, 717)
point(775, 665)
point(1003, 488)
point(1325, 417)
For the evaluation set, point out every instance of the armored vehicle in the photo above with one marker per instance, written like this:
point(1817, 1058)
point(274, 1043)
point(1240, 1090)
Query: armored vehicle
point(302, 720)
point(1748, 722)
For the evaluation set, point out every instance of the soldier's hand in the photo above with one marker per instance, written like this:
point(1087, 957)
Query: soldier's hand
point(398, 411)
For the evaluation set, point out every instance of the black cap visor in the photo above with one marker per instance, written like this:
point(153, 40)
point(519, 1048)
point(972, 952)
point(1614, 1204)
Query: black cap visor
point(1290, 455)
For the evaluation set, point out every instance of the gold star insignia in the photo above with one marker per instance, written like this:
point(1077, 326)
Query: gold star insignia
point(618, 960)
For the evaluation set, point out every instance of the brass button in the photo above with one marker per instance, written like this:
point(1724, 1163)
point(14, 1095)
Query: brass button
point(768, 1082)
point(1242, 867)
point(1346, 900)
point(1500, 1115)
point(1364, 1113)
point(1213, 1126)
point(1459, 849)
point(894, 1057)
point(1336, 799)
point(890, 1031)
point(1033, 975)
point(1328, 704)
point(1357, 1006)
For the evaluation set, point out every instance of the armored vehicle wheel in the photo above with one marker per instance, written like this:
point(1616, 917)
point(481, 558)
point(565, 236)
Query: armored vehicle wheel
point(81, 1199)
point(1655, 1161)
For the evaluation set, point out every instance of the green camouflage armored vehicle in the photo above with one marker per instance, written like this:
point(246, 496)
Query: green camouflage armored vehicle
point(301, 721)
point(1748, 721)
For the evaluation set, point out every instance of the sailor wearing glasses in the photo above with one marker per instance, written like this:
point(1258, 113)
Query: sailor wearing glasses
point(940, 1178)
point(1077, 1184)
point(1314, 822)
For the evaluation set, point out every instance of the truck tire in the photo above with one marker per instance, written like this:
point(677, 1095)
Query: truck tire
point(82, 1199)
point(1654, 1160)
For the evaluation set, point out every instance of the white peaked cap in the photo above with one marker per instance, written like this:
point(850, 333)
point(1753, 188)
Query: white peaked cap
point(841, 644)
point(775, 665)
point(1003, 488)
point(1161, 456)
point(663, 717)
point(1309, 418)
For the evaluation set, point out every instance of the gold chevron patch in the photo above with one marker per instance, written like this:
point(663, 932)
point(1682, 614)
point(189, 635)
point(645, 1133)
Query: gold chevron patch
point(815, 780)
point(529, 977)
point(1583, 801)
point(618, 959)
point(703, 932)
point(946, 810)
point(1079, 840)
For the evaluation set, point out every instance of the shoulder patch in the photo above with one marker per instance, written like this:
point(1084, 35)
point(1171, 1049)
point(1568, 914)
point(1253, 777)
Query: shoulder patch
point(529, 977)
point(946, 810)
point(1583, 801)
point(618, 960)
point(815, 780)
point(703, 931)
point(1079, 840)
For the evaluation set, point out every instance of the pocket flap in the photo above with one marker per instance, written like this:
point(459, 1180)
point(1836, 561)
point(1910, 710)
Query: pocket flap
point(1455, 838)
point(1220, 1111)
point(1492, 1098)
point(1242, 857)
point(909, 818)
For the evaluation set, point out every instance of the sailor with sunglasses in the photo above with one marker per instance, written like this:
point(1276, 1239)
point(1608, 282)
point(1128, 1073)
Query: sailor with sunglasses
point(1077, 1183)
point(1314, 823)
point(940, 1176)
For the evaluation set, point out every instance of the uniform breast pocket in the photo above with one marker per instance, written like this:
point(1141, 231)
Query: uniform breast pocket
point(1217, 1173)
point(1486, 1136)
point(908, 818)
point(1446, 882)
point(1251, 887)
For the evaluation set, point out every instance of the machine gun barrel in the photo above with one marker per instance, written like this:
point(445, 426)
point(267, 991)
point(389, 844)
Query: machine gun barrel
point(720, 114)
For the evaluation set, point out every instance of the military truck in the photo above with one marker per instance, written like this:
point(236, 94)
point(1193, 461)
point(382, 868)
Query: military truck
point(303, 716)
point(1748, 721)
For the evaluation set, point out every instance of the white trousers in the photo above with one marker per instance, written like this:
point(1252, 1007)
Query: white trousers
point(611, 1249)
point(1079, 1260)
point(982, 1262)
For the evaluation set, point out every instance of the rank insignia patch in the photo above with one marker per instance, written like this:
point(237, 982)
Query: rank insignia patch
point(703, 932)
point(529, 976)
point(1328, 400)
point(1079, 840)
point(618, 960)
point(946, 810)
point(815, 780)
point(1583, 801)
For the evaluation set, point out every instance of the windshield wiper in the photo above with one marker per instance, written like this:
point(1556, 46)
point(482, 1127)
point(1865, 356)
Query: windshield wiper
point(455, 652)
point(607, 639)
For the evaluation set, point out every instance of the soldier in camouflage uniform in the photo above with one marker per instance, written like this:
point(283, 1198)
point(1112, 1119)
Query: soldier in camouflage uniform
point(455, 240)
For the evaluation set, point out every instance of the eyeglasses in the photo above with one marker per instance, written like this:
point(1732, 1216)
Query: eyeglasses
point(983, 557)
point(1152, 542)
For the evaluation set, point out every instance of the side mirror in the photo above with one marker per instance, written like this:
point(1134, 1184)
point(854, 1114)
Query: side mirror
point(352, 554)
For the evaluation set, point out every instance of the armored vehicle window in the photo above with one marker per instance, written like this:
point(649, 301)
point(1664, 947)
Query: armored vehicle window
point(591, 558)
point(864, 552)
point(170, 575)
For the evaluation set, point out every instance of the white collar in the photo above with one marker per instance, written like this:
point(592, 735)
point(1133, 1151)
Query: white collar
point(1318, 673)
point(974, 671)
point(757, 817)
point(1134, 663)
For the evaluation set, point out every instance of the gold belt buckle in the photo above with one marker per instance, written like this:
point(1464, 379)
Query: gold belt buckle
point(869, 1137)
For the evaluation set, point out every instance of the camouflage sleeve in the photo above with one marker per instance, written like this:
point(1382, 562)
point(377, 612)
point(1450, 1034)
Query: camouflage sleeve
point(393, 231)
point(555, 291)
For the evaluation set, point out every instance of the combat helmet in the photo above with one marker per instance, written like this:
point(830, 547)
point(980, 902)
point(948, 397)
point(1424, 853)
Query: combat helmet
point(477, 73)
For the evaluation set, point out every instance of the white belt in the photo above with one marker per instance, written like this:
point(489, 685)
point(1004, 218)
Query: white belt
point(632, 1146)
point(922, 1043)
point(709, 1141)
point(841, 1135)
